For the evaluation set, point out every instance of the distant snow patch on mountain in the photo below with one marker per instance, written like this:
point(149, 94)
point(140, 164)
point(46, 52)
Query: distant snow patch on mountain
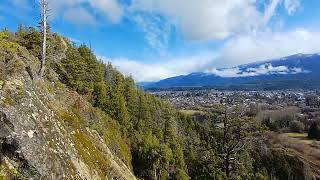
point(298, 70)
point(264, 69)
point(226, 72)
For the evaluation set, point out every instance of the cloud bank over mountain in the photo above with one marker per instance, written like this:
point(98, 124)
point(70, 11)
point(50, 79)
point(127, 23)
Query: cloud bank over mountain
point(236, 51)
point(300, 71)
point(264, 69)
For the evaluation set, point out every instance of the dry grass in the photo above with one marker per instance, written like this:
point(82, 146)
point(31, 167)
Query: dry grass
point(191, 112)
point(299, 142)
point(302, 137)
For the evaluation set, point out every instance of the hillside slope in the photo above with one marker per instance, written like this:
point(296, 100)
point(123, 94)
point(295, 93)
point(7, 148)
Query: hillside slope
point(82, 120)
point(48, 131)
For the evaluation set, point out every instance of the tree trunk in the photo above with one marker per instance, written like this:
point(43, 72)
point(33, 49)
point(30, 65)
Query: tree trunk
point(44, 9)
point(227, 166)
point(155, 172)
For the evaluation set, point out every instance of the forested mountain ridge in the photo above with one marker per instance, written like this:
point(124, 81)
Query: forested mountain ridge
point(84, 120)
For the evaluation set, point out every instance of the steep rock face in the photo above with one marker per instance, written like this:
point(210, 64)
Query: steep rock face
point(47, 131)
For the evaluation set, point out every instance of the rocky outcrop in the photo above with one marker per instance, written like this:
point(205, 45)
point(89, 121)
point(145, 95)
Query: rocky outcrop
point(45, 135)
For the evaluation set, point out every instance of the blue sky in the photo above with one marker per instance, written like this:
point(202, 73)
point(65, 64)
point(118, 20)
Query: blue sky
point(156, 39)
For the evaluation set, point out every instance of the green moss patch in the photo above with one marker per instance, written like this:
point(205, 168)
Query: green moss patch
point(114, 140)
point(84, 143)
point(90, 154)
point(8, 101)
point(71, 119)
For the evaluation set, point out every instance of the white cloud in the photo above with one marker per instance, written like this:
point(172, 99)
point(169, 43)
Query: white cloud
point(110, 8)
point(147, 72)
point(244, 26)
point(228, 72)
point(291, 5)
point(266, 69)
point(197, 20)
point(156, 30)
point(298, 70)
point(267, 45)
point(238, 50)
point(263, 69)
point(213, 19)
point(141, 72)
point(203, 20)
point(58, 6)
point(269, 11)
point(79, 16)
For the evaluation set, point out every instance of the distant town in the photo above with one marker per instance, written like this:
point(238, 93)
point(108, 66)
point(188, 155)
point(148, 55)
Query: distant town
point(192, 99)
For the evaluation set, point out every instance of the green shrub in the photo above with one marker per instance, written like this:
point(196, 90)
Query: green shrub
point(9, 46)
point(314, 130)
point(296, 126)
point(5, 44)
point(181, 175)
point(4, 35)
point(31, 40)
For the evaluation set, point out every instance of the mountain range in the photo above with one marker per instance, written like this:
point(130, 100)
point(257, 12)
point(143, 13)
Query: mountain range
point(300, 71)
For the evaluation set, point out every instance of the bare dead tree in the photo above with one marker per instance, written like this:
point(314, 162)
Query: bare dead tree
point(44, 6)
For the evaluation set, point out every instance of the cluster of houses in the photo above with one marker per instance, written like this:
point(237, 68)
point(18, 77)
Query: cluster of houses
point(190, 99)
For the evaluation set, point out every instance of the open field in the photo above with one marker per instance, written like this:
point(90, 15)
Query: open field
point(301, 145)
point(301, 137)
point(299, 142)
point(191, 112)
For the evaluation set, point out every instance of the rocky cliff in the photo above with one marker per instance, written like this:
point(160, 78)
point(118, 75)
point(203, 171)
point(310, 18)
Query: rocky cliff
point(48, 131)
